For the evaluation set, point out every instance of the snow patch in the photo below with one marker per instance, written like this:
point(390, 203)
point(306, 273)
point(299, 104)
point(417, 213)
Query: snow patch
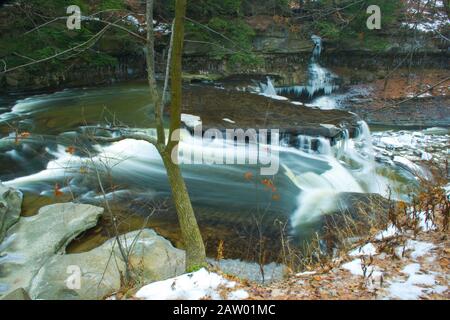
point(192, 286)
point(191, 120)
point(418, 249)
point(367, 250)
point(410, 289)
point(356, 268)
point(275, 97)
point(390, 232)
point(228, 120)
point(238, 295)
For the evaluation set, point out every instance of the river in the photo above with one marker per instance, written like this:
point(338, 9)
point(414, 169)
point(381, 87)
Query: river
point(47, 151)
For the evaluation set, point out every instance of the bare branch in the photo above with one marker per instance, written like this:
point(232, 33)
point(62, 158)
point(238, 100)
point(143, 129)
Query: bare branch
point(166, 79)
point(89, 18)
point(100, 33)
point(134, 136)
point(413, 97)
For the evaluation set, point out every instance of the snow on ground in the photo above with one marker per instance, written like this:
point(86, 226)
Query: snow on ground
point(424, 223)
point(238, 295)
point(416, 284)
point(367, 250)
point(191, 120)
point(357, 268)
point(390, 232)
point(275, 97)
point(306, 273)
point(228, 120)
point(417, 249)
point(415, 280)
point(414, 146)
point(429, 16)
point(192, 286)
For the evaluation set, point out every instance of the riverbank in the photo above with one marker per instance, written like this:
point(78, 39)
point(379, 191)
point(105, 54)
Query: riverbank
point(405, 261)
point(409, 99)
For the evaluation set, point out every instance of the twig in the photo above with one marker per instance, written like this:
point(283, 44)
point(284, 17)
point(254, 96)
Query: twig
point(412, 98)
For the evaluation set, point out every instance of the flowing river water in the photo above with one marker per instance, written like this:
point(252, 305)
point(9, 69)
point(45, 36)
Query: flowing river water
point(58, 161)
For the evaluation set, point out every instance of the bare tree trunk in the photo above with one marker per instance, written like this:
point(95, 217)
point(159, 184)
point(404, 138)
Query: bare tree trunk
point(192, 238)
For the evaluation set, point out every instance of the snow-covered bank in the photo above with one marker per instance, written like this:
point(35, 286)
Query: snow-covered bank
point(193, 286)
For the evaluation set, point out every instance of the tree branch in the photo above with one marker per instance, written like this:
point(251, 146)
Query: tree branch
point(133, 136)
point(412, 98)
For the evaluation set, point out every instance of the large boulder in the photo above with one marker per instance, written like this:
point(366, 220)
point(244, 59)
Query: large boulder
point(10, 207)
point(32, 241)
point(151, 257)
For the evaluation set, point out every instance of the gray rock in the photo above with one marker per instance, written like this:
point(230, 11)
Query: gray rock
point(18, 294)
point(10, 207)
point(32, 241)
point(152, 258)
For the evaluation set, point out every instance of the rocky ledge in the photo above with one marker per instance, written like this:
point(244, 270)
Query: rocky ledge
point(229, 109)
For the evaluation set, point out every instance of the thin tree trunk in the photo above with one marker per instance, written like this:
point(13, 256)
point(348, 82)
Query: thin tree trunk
point(195, 249)
point(192, 238)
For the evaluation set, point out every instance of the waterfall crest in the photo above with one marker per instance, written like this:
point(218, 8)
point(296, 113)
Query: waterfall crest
point(321, 81)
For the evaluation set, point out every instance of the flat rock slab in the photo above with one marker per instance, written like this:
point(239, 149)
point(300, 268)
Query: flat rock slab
point(248, 110)
point(32, 241)
point(152, 258)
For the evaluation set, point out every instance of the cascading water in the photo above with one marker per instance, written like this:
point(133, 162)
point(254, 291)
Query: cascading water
point(312, 173)
point(268, 89)
point(320, 79)
point(352, 169)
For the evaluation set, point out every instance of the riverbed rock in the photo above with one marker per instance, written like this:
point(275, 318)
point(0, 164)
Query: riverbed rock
point(152, 258)
point(248, 110)
point(32, 241)
point(18, 294)
point(10, 206)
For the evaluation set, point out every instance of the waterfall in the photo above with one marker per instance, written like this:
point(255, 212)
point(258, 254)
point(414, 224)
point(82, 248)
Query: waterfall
point(352, 168)
point(269, 89)
point(317, 46)
point(311, 145)
point(320, 80)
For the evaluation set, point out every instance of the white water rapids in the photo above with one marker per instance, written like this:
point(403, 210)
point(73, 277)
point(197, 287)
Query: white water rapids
point(319, 175)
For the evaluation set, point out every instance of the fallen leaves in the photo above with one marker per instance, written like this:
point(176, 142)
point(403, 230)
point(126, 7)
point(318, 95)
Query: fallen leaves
point(22, 135)
point(57, 190)
point(71, 149)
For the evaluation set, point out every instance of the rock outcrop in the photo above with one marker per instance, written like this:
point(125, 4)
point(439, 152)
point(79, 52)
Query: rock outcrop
point(33, 258)
point(32, 241)
point(152, 258)
point(10, 207)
